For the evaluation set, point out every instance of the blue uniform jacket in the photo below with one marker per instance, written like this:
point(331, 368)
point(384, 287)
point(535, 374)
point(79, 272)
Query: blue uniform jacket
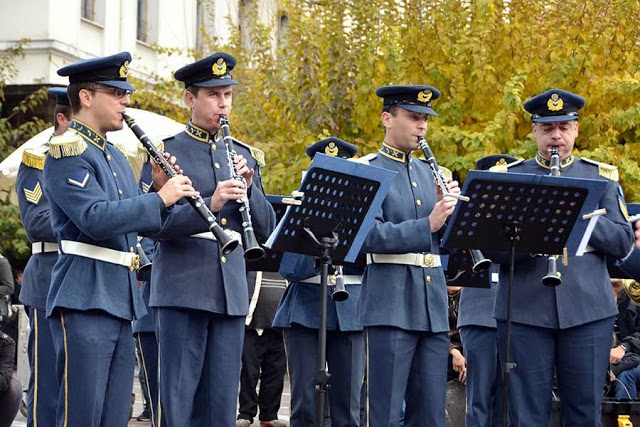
point(93, 196)
point(300, 303)
point(36, 220)
point(189, 272)
point(476, 305)
point(585, 293)
point(407, 297)
point(145, 323)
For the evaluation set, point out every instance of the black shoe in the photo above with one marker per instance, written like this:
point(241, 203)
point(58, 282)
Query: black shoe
point(144, 416)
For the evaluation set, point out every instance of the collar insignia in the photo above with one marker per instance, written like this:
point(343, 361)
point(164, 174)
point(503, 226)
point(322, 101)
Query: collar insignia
point(331, 149)
point(555, 103)
point(197, 133)
point(78, 179)
point(219, 67)
point(425, 96)
point(33, 192)
point(547, 163)
point(124, 70)
point(393, 153)
point(89, 134)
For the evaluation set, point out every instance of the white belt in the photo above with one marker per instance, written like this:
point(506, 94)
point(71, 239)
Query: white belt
point(40, 247)
point(419, 260)
point(130, 260)
point(208, 235)
point(349, 279)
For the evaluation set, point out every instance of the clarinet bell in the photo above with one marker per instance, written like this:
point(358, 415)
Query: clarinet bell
point(339, 293)
point(478, 260)
point(552, 278)
point(253, 251)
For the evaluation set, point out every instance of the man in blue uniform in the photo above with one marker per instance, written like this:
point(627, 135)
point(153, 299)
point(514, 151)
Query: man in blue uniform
point(404, 298)
point(298, 315)
point(201, 296)
point(42, 399)
point(569, 326)
point(96, 210)
point(480, 337)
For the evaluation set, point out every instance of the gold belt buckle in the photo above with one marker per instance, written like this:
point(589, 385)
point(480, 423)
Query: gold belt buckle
point(135, 263)
point(429, 260)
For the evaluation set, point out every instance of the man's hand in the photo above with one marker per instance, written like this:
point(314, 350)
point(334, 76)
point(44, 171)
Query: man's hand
point(616, 354)
point(231, 189)
point(157, 173)
point(176, 188)
point(242, 169)
point(459, 364)
point(445, 205)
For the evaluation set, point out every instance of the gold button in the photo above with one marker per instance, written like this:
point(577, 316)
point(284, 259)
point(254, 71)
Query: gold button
point(418, 202)
point(223, 259)
point(410, 168)
point(217, 165)
point(428, 279)
point(223, 221)
point(115, 175)
point(120, 191)
point(213, 147)
point(109, 157)
point(131, 249)
point(415, 184)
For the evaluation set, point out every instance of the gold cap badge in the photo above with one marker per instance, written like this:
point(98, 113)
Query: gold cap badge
point(219, 68)
point(555, 103)
point(425, 95)
point(124, 70)
point(331, 149)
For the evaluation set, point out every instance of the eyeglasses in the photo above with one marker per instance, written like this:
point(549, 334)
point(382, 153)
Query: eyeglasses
point(117, 92)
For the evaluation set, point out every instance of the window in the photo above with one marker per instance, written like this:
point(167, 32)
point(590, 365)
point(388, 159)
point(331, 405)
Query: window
point(283, 27)
point(89, 9)
point(142, 31)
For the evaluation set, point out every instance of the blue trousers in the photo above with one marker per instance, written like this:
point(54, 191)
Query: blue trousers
point(580, 358)
point(406, 362)
point(345, 357)
point(147, 348)
point(199, 362)
point(626, 384)
point(484, 376)
point(42, 400)
point(95, 362)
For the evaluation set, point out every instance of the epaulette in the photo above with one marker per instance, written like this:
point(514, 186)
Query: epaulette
point(605, 170)
point(121, 147)
point(68, 144)
point(505, 168)
point(35, 157)
point(365, 159)
point(446, 172)
point(142, 154)
point(257, 153)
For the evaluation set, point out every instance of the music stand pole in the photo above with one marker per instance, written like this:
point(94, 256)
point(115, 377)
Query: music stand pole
point(513, 232)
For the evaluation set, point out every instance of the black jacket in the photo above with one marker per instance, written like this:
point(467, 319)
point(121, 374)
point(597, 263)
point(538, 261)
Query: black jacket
point(7, 351)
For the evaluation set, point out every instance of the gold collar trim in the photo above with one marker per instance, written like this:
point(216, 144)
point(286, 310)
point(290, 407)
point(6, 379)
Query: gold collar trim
point(394, 154)
point(197, 132)
point(547, 163)
point(89, 134)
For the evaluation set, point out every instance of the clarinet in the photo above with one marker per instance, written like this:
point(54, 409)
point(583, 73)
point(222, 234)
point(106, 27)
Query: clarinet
point(437, 173)
point(252, 250)
point(227, 244)
point(552, 278)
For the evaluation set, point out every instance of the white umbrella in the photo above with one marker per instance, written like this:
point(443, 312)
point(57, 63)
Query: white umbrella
point(156, 127)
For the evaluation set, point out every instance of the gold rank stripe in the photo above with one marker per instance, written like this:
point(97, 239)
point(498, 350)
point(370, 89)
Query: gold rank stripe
point(34, 195)
point(145, 187)
point(33, 160)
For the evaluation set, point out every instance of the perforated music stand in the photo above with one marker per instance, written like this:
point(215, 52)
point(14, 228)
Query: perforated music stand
point(339, 203)
point(512, 212)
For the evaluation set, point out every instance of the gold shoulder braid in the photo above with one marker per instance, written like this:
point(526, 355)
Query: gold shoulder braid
point(68, 144)
point(256, 153)
point(364, 159)
point(605, 170)
point(121, 147)
point(34, 159)
point(142, 154)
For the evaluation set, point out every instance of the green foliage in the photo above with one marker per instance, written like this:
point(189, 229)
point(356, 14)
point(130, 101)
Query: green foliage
point(486, 56)
point(13, 239)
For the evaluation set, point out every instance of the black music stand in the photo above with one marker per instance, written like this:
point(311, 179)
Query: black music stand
point(512, 212)
point(270, 262)
point(340, 199)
